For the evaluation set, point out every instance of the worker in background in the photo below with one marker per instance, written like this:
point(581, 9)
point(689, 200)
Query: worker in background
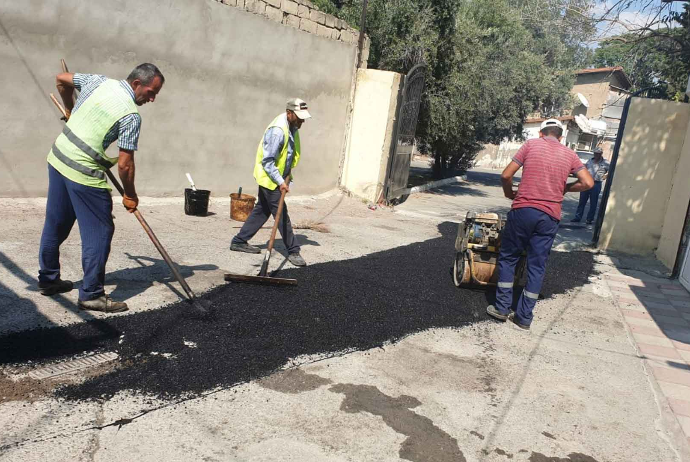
point(276, 157)
point(534, 216)
point(598, 167)
point(105, 110)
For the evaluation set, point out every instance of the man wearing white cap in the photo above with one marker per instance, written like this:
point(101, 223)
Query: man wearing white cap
point(534, 216)
point(598, 167)
point(276, 157)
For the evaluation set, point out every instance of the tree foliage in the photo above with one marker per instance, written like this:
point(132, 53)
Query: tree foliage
point(490, 63)
point(652, 56)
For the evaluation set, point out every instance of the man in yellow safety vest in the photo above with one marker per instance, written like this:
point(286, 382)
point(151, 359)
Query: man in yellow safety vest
point(276, 157)
point(105, 111)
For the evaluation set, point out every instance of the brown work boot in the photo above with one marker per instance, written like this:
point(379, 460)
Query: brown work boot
point(56, 287)
point(103, 303)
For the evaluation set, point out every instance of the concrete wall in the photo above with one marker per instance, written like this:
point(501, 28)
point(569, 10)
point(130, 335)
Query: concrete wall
point(228, 73)
point(637, 207)
point(371, 133)
point(594, 87)
point(672, 230)
point(499, 156)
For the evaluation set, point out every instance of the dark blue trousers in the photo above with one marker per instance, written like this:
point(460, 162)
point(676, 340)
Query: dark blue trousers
point(266, 206)
point(92, 208)
point(532, 230)
point(591, 195)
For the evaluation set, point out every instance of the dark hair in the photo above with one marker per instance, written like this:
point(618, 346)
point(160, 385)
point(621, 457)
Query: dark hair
point(552, 131)
point(145, 73)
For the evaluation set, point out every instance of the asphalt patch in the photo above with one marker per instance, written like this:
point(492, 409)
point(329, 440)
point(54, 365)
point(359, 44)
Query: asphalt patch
point(339, 306)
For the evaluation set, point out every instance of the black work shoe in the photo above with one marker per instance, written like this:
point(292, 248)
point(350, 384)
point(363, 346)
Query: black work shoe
point(515, 321)
point(247, 248)
point(296, 259)
point(589, 222)
point(103, 303)
point(494, 313)
point(575, 220)
point(57, 287)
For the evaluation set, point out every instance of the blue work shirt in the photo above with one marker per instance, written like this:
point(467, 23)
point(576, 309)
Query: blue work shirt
point(273, 146)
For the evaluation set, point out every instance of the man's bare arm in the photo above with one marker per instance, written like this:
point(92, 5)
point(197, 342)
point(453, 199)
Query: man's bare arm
point(507, 179)
point(583, 183)
point(65, 86)
point(125, 167)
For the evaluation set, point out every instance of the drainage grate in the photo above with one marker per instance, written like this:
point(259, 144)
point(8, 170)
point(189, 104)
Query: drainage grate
point(72, 366)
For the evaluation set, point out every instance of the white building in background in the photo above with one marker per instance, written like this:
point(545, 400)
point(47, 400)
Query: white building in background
point(599, 98)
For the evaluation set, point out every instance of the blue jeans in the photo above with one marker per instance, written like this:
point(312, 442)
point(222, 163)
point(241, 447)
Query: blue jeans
point(92, 208)
point(532, 230)
point(593, 196)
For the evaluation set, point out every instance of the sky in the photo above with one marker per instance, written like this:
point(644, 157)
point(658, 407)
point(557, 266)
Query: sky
point(633, 14)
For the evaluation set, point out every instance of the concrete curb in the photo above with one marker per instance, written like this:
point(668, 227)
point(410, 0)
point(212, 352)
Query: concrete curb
point(435, 184)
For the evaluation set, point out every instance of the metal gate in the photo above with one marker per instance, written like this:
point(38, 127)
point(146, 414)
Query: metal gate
point(399, 163)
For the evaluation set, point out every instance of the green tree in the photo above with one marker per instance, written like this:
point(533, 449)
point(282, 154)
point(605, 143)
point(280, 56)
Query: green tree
point(659, 51)
point(488, 66)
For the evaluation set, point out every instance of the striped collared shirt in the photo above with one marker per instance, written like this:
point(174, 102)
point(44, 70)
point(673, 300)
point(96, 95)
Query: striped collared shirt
point(126, 130)
point(546, 164)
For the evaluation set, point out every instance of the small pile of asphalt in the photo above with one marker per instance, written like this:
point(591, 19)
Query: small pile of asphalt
point(254, 330)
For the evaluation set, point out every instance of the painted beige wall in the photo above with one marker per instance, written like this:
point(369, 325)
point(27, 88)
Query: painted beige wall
point(594, 87)
point(228, 74)
point(677, 207)
point(636, 211)
point(371, 132)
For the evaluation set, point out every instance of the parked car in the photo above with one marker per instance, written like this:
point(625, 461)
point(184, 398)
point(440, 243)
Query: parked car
point(584, 157)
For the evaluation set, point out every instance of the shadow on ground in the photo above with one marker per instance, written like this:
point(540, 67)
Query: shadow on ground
point(338, 306)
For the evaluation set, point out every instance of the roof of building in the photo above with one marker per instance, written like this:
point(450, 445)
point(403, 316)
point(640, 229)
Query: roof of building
point(541, 119)
point(610, 70)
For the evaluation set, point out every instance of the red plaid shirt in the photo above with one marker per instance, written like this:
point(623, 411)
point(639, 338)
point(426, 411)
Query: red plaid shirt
point(546, 164)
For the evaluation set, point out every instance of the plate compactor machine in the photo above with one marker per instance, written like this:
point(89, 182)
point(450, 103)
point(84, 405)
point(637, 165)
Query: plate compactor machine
point(477, 246)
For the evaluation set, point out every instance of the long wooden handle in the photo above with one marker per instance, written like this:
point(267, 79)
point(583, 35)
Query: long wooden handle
point(59, 106)
point(277, 218)
point(275, 224)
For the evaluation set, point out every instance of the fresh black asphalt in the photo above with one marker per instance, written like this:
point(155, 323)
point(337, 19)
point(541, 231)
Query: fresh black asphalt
point(253, 330)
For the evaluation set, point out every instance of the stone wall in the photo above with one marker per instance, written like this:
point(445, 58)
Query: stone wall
point(305, 16)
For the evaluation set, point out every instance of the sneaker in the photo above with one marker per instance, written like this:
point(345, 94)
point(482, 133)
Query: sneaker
point(515, 321)
point(589, 222)
point(296, 259)
point(56, 287)
point(247, 248)
point(494, 313)
point(103, 303)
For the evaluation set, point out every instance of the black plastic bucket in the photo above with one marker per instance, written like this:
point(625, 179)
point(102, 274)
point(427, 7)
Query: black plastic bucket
point(196, 202)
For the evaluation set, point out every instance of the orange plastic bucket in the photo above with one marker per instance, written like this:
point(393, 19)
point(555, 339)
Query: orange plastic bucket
point(241, 206)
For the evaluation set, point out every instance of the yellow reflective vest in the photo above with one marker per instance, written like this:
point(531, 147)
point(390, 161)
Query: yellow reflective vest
point(260, 174)
point(78, 152)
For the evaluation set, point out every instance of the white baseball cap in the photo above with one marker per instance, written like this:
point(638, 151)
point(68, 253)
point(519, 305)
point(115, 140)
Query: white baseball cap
point(551, 123)
point(299, 107)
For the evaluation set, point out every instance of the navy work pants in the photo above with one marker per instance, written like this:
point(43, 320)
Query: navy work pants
point(591, 195)
point(92, 208)
point(266, 206)
point(532, 230)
